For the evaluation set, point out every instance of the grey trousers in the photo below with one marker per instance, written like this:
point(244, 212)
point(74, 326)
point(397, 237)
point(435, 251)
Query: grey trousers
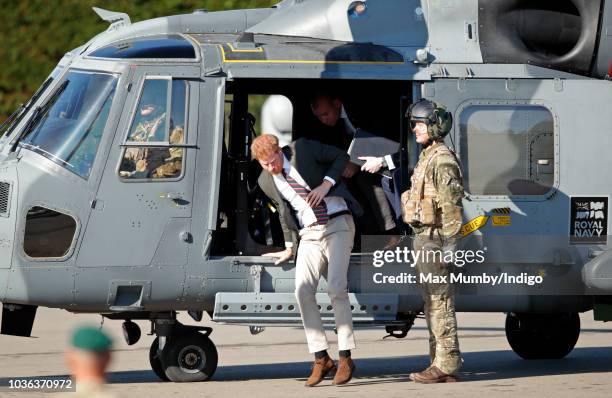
point(376, 205)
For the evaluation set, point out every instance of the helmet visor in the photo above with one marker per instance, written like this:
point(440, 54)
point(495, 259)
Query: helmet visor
point(413, 122)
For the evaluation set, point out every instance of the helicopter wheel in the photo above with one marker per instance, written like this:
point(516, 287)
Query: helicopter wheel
point(189, 357)
point(542, 336)
point(155, 361)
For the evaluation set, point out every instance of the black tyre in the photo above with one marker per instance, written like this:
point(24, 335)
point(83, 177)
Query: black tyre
point(542, 336)
point(189, 357)
point(155, 361)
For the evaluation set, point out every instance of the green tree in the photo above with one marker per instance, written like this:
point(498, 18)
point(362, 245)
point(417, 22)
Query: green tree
point(37, 33)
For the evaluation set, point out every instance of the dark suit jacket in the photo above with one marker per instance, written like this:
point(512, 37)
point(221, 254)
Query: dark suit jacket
point(313, 160)
point(337, 135)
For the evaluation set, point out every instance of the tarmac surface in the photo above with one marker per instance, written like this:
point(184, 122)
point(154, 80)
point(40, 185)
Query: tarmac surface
point(275, 363)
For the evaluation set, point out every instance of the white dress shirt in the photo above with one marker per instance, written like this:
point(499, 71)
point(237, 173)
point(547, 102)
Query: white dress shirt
point(304, 212)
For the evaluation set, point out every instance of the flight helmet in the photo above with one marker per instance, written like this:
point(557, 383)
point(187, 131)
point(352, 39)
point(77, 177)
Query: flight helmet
point(438, 120)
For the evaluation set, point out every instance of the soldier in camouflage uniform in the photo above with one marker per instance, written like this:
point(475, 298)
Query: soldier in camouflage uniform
point(140, 162)
point(432, 207)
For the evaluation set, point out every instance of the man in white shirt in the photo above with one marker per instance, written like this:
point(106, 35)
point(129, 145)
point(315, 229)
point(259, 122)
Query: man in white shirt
point(303, 182)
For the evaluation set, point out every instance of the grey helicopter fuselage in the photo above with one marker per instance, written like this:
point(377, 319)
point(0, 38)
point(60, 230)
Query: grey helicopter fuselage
point(80, 230)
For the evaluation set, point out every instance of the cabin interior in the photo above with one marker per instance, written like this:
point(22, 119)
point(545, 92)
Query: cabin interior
point(247, 224)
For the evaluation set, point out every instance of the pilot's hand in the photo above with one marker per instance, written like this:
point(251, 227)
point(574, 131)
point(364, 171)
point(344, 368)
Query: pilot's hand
point(372, 164)
point(350, 170)
point(280, 257)
point(142, 165)
point(316, 195)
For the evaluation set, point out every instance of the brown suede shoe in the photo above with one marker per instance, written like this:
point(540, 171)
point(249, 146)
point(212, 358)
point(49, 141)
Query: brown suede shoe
point(433, 375)
point(346, 367)
point(320, 369)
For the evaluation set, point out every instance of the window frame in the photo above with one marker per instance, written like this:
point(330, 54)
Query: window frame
point(156, 144)
point(75, 236)
point(512, 103)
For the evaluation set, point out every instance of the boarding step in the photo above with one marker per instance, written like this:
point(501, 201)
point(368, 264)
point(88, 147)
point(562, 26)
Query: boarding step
point(282, 308)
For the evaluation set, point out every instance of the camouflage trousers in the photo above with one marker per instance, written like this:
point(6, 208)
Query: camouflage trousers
point(439, 302)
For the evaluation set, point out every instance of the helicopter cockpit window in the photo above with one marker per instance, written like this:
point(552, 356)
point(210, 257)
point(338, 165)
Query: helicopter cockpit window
point(158, 125)
point(68, 128)
point(162, 47)
point(507, 149)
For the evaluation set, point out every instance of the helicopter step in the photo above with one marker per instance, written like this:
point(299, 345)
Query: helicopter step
point(282, 308)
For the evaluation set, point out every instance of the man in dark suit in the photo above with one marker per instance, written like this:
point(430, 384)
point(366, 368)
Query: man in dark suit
point(338, 129)
point(303, 182)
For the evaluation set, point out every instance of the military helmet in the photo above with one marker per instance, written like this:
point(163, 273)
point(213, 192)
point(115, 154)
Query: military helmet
point(438, 120)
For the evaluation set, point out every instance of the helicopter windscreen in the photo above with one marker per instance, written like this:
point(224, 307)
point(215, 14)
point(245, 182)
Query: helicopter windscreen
point(68, 128)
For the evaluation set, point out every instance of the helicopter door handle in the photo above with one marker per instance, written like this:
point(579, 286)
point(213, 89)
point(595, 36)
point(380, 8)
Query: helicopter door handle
point(544, 166)
point(174, 196)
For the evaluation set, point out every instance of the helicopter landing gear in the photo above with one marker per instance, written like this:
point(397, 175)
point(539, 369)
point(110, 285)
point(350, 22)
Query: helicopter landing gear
point(190, 357)
point(542, 336)
point(155, 360)
point(182, 353)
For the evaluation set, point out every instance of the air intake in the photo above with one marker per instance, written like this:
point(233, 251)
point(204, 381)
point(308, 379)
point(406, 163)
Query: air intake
point(554, 34)
point(5, 198)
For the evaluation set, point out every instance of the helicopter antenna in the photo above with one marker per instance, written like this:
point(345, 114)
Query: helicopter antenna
point(117, 20)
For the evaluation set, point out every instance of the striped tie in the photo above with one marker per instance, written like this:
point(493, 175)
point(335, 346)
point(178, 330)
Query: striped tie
point(320, 211)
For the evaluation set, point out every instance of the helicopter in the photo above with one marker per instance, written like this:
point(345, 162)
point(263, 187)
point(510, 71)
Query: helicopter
point(127, 187)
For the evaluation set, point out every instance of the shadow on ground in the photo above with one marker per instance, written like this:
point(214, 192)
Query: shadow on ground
point(479, 366)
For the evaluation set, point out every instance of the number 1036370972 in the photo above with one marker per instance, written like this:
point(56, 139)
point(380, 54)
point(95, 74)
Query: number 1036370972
point(30, 384)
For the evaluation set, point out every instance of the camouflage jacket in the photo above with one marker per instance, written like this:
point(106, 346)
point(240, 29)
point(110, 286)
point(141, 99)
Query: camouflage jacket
point(147, 131)
point(437, 184)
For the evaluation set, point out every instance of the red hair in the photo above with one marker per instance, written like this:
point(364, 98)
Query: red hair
point(264, 146)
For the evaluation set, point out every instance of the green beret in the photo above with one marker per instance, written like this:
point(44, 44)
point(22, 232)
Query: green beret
point(91, 339)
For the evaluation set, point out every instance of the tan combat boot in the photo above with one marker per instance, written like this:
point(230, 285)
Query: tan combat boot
point(433, 375)
point(320, 369)
point(346, 367)
point(412, 375)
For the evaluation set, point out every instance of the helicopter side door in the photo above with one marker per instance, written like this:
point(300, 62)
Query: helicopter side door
point(507, 133)
point(141, 216)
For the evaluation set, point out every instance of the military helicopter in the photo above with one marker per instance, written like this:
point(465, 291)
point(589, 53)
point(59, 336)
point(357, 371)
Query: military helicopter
point(127, 187)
